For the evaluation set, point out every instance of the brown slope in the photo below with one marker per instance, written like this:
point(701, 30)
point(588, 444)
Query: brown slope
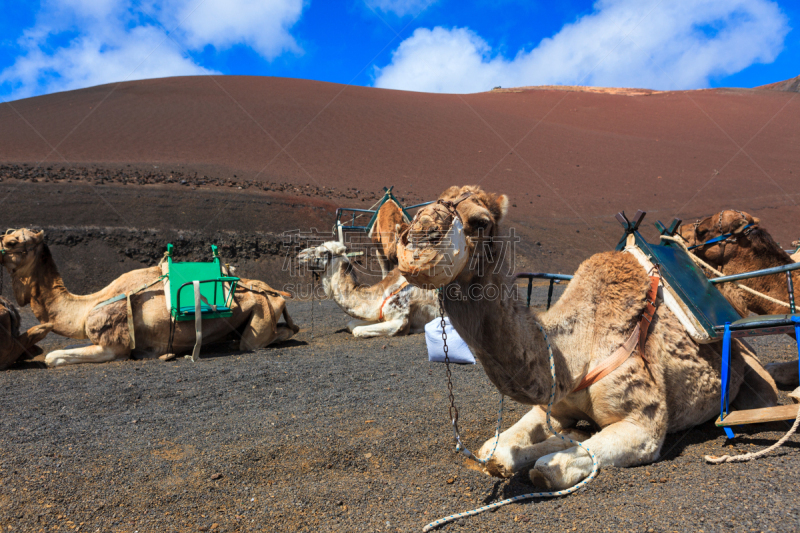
point(791, 85)
point(569, 159)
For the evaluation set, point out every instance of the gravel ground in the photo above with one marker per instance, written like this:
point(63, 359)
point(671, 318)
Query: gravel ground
point(332, 434)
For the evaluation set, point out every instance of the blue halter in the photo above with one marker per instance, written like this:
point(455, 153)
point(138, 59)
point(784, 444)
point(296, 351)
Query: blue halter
point(715, 240)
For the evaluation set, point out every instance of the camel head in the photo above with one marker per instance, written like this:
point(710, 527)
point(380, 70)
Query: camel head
point(319, 258)
point(731, 225)
point(460, 229)
point(19, 250)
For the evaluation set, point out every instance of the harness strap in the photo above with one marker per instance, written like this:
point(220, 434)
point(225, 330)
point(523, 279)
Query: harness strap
point(400, 288)
point(648, 314)
point(638, 336)
point(198, 321)
point(127, 296)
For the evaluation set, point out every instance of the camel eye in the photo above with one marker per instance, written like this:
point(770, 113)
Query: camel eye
point(480, 223)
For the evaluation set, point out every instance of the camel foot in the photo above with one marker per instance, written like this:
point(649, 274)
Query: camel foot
point(168, 356)
point(562, 470)
point(509, 459)
point(86, 354)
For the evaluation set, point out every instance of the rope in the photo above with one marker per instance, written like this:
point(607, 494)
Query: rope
point(718, 273)
point(522, 497)
point(714, 460)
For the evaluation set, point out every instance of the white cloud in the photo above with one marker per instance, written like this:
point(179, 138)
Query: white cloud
point(401, 8)
point(671, 44)
point(104, 41)
point(262, 25)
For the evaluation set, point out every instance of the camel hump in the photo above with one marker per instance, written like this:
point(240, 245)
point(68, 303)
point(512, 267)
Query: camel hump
point(617, 284)
point(108, 325)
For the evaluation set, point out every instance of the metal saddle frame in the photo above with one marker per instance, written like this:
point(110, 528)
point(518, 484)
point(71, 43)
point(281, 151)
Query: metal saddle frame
point(713, 312)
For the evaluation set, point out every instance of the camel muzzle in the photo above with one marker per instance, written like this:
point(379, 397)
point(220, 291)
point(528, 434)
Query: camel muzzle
point(433, 251)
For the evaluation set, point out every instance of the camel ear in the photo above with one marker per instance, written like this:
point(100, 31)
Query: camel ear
point(740, 226)
point(38, 237)
point(756, 220)
point(502, 206)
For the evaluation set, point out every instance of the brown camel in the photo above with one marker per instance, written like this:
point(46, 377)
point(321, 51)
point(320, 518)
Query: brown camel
point(634, 406)
point(750, 247)
point(36, 281)
point(13, 346)
point(390, 222)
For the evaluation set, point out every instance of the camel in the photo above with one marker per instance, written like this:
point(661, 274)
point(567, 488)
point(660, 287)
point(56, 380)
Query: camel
point(13, 346)
point(635, 405)
point(750, 247)
point(389, 223)
point(36, 281)
point(389, 308)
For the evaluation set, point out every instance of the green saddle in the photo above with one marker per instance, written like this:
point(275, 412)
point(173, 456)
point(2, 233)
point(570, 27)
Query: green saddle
point(216, 289)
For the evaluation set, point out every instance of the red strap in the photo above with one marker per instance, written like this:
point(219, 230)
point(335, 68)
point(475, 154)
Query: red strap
point(639, 335)
point(610, 364)
point(400, 288)
point(648, 314)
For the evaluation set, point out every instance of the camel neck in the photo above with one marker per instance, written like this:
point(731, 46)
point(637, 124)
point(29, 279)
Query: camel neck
point(49, 298)
point(774, 285)
point(505, 336)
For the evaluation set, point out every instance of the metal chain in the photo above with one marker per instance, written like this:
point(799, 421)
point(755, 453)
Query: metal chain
point(453, 409)
point(313, 294)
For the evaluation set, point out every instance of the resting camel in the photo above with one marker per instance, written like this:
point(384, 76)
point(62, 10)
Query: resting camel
point(12, 344)
point(750, 247)
point(635, 406)
point(389, 308)
point(389, 223)
point(36, 281)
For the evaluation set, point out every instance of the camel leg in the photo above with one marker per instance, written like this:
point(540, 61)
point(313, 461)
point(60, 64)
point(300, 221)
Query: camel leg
point(355, 323)
point(17, 347)
point(289, 322)
point(526, 441)
point(390, 328)
point(382, 261)
point(784, 373)
point(86, 354)
point(620, 444)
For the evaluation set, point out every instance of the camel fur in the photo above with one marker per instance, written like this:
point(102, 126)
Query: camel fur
point(634, 407)
point(14, 346)
point(389, 223)
point(745, 252)
point(406, 310)
point(36, 280)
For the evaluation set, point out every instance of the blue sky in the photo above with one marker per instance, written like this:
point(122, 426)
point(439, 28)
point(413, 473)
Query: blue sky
point(425, 45)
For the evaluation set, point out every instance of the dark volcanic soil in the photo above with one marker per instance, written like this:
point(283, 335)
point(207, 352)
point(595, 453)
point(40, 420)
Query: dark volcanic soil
point(332, 434)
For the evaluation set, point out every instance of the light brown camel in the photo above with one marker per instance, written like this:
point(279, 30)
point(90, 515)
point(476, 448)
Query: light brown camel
point(36, 281)
point(389, 223)
point(747, 250)
point(634, 406)
point(13, 345)
point(390, 307)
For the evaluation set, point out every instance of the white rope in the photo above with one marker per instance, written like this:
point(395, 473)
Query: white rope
point(718, 273)
point(522, 497)
point(714, 460)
